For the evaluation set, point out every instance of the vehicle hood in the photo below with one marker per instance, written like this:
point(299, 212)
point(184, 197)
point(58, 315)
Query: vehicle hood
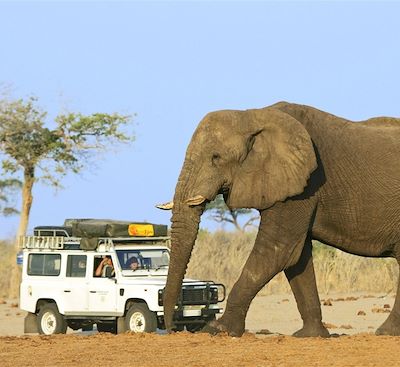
point(153, 280)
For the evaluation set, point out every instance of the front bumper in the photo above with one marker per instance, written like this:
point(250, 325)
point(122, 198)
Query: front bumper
point(202, 313)
point(197, 302)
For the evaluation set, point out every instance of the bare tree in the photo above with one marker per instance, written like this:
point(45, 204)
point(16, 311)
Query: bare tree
point(222, 214)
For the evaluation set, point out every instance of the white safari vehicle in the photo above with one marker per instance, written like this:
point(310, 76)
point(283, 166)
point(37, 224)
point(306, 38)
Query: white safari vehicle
point(60, 288)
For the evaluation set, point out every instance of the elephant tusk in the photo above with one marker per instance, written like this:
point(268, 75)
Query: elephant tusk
point(196, 200)
point(165, 206)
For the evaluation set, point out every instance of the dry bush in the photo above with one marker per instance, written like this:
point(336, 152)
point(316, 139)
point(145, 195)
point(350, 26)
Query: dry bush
point(220, 256)
point(338, 271)
point(6, 259)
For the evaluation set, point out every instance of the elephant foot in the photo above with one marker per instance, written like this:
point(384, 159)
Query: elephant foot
point(312, 330)
point(390, 327)
point(215, 327)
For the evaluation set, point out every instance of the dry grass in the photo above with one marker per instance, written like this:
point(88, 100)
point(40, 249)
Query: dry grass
point(220, 256)
point(7, 259)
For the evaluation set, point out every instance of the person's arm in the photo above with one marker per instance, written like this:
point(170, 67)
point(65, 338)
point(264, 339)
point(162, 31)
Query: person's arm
point(99, 269)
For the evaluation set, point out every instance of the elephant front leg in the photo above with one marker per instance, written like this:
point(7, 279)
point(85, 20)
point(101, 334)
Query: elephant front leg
point(256, 273)
point(392, 324)
point(279, 243)
point(302, 282)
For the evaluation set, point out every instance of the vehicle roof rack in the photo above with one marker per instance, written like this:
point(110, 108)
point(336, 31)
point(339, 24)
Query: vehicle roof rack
point(47, 242)
point(69, 243)
point(58, 230)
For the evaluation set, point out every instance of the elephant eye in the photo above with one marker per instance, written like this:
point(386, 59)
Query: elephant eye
point(215, 158)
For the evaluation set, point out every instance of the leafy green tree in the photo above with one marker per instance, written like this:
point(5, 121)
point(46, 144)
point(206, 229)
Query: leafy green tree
point(222, 214)
point(36, 151)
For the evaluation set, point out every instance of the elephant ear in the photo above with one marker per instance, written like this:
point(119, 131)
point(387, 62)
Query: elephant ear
point(280, 159)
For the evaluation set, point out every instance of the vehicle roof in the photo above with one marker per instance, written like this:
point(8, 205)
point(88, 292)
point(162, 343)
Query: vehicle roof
point(145, 247)
point(68, 230)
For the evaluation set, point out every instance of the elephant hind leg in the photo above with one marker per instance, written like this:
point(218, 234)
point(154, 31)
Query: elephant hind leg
point(391, 326)
point(301, 278)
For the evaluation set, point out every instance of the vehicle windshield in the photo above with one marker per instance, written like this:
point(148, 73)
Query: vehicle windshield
point(143, 259)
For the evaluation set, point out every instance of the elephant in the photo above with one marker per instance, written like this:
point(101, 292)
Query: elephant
point(311, 175)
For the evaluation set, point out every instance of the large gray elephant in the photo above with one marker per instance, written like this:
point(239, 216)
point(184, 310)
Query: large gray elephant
point(311, 175)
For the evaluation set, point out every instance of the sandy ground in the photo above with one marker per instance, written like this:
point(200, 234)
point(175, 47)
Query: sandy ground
point(351, 318)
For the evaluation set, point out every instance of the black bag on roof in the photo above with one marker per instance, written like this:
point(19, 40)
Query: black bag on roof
point(112, 228)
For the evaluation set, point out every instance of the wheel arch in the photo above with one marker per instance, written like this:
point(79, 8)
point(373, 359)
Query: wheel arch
point(43, 301)
point(129, 302)
point(49, 320)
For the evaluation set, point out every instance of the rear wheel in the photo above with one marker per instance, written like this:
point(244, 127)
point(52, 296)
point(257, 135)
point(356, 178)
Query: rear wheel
point(50, 321)
point(139, 319)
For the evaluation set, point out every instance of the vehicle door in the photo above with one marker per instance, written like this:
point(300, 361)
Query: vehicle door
point(102, 291)
point(75, 290)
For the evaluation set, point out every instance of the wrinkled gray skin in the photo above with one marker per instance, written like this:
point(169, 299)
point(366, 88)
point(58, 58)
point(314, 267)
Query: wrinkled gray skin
point(311, 175)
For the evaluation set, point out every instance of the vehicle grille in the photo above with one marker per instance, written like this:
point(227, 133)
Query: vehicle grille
point(194, 295)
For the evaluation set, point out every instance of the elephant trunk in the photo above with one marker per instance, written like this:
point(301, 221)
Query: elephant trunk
point(185, 225)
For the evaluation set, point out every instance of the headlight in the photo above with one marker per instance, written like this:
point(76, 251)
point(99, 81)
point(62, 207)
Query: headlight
point(214, 295)
point(160, 297)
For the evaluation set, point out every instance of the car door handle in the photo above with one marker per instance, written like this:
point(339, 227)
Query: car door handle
point(67, 291)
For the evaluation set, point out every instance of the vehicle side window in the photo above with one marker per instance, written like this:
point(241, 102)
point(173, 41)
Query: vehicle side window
point(45, 233)
point(44, 264)
point(62, 233)
point(76, 266)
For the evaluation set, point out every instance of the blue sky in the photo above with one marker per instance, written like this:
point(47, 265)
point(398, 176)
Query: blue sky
point(171, 63)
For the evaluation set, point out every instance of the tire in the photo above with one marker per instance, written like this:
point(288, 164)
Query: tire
point(50, 321)
point(107, 327)
point(139, 319)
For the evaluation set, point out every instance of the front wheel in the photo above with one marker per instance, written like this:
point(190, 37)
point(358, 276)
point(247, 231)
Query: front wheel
point(139, 319)
point(50, 321)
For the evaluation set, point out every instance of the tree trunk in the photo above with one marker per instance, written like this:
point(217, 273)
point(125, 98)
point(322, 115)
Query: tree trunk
point(27, 198)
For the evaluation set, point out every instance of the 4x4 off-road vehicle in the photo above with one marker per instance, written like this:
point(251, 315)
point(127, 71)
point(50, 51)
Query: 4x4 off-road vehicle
point(60, 287)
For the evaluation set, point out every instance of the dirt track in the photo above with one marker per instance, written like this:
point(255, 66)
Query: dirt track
point(186, 349)
point(358, 315)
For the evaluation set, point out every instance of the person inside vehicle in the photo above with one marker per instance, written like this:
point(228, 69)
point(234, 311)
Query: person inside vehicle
point(133, 263)
point(80, 271)
point(82, 264)
point(102, 268)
